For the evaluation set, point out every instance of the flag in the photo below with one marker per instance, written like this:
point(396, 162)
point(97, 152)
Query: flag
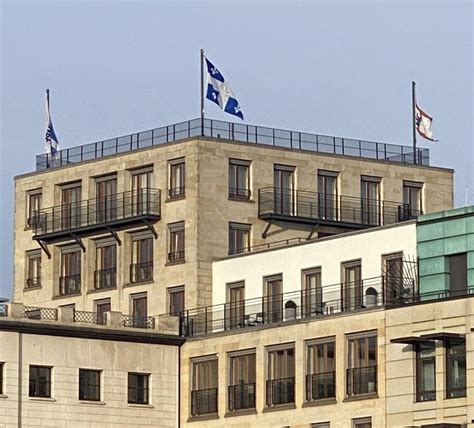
point(219, 91)
point(423, 123)
point(52, 143)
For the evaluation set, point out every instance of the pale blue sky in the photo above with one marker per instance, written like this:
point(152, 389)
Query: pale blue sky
point(337, 68)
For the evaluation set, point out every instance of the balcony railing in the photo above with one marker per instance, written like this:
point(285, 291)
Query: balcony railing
point(239, 193)
point(33, 282)
point(95, 214)
point(3, 310)
point(241, 396)
point(204, 402)
point(176, 192)
point(141, 272)
point(34, 313)
point(320, 386)
point(362, 380)
point(86, 317)
point(138, 321)
point(280, 391)
point(70, 284)
point(105, 278)
point(234, 132)
point(332, 210)
point(176, 256)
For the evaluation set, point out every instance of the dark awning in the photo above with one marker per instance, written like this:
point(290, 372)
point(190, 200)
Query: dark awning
point(444, 336)
point(410, 340)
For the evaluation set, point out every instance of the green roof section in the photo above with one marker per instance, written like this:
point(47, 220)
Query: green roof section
point(446, 214)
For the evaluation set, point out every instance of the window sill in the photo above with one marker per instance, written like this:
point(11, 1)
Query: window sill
point(361, 397)
point(99, 290)
point(175, 198)
point(176, 262)
point(66, 296)
point(277, 407)
point(93, 402)
point(252, 411)
point(35, 287)
point(203, 417)
point(141, 406)
point(47, 399)
point(3, 396)
point(321, 402)
point(237, 199)
point(136, 284)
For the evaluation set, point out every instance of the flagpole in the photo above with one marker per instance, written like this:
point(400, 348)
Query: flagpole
point(413, 119)
point(202, 92)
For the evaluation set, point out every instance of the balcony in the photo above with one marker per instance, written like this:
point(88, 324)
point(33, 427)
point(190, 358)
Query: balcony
point(300, 206)
point(320, 386)
point(241, 397)
point(105, 278)
point(280, 391)
point(204, 402)
point(97, 215)
point(361, 380)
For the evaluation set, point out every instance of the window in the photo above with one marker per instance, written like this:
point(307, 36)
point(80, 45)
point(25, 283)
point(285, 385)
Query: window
point(283, 182)
point(89, 385)
point(141, 185)
point(241, 391)
point(70, 279)
point(176, 300)
point(141, 269)
point(280, 385)
point(106, 198)
point(105, 275)
point(362, 365)
point(457, 274)
point(34, 202)
point(176, 178)
point(40, 381)
point(273, 306)
point(101, 308)
point(139, 310)
point(138, 388)
point(455, 369)
point(235, 306)
point(33, 274)
point(393, 278)
point(425, 371)
point(176, 241)
point(362, 423)
point(370, 200)
point(321, 370)
point(352, 286)
point(312, 292)
point(239, 238)
point(412, 200)
point(71, 206)
point(327, 194)
point(321, 425)
point(204, 387)
point(239, 179)
point(1, 378)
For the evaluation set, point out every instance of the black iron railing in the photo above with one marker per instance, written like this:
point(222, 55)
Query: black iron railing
point(176, 256)
point(239, 193)
point(280, 391)
point(70, 284)
point(176, 192)
point(33, 282)
point(141, 272)
point(269, 245)
point(3, 310)
point(234, 132)
point(86, 317)
point(204, 402)
point(35, 313)
point(138, 322)
point(241, 396)
point(320, 386)
point(105, 278)
point(91, 214)
point(361, 380)
point(319, 208)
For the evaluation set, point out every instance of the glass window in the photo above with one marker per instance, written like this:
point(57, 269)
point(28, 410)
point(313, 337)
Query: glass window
point(34, 204)
point(70, 279)
point(89, 385)
point(40, 381)
point(204, 387)
point(312, 292)
point(101, 308)
point(141, 268)
point(239, 238)
point(106, 198)
point(177, 178)
point(321, 425)
point(33, 274)
point(457, 274)
point(273, 307)
point(239, 179)
point(352, 286)
point(71, 206)
point(241, 393)
point(362, 365)
point(176, 242)
point(280, 385)
point(455, 369)
point(106, 266)
point(139, 310)
point(138, 388)
point(235, 306)
point(176, 300)
point(412, 199)
point(321, 371)
point(141, 185)
point(426, 372)
point(393, 278)
point(362, 423)
point(283, 183)
point(370, 200)
point(327, 194)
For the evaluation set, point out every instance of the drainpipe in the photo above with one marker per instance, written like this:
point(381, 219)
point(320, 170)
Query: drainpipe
point(179, 385)
point(20, 378)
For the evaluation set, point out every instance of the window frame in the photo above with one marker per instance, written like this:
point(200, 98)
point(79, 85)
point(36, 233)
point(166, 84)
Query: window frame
point(180, 164)
point(315, 343)
point(30, 196)
point(449, 359)
point(36, 381)
point(146, 388)
point(176, 234)
point(233, 179)
point(362, 422)
point(170, 292)
point(419, 362)
point(213, 359)
point(67, 252)
point(90, 385)
point(407, 188)
point(235, 236)
point(289, 366)
point(141, 268)
point(231, 356)
point(33, 282)
point(2, 377)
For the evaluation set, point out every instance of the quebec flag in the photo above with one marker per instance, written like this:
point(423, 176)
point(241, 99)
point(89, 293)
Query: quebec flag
point(219, 91)
point(52, 143)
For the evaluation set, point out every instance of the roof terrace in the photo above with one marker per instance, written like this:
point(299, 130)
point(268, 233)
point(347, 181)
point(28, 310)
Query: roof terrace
point(293, 140)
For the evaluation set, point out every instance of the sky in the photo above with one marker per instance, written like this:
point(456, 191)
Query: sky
point(329, 67)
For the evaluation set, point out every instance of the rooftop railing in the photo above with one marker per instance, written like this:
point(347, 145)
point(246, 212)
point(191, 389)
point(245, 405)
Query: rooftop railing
point(238, 132)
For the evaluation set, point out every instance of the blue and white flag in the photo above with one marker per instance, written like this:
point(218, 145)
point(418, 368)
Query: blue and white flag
point(219, 91)
point(52, 143)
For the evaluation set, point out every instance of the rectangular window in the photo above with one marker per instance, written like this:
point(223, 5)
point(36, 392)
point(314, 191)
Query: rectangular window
point(89, 385)
point(141, 269)
point(105, 275)
point(241, 391)
point(34, 204)
point(141, 185)
point(176, 300)
point(176, 242)
point(321, 425)
point(106, 198)
point(273, 306)
point(139, 310)
point(101, 308)
point(393, 278)
point(352, 285)
point(235, 306)
point(321, 370)
point(457, 274)
point(239, 238)
point(312, 292)
point(362, 423)
point(71, 206)
point(362, 365)
point(280, 385)
point(204, 387)
point(176, 178)
point(40, 381)
point(426, 372)
point(455, 369)
point(138, 388)
point(370, 200)
point(70, 279)
point(1, 378)
point(239, 179)
point(327, 195)
point(283, 183)
point(412, 200)
point(33, 274)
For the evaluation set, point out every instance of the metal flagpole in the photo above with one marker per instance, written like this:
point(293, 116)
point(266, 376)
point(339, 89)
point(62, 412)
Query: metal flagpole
point(413, 119)
point(202, 92)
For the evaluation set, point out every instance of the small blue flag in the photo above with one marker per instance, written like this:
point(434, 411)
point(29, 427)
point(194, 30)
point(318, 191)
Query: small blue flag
point(52, 143)
point(219, 91)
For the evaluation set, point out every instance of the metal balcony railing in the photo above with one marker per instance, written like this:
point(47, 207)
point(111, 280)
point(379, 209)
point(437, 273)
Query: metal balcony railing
point(280, 391)
point(361, 380)
point(34, 313)
point(204, 402)
point(320, 386)
point(241, 396)
point(85, 317)
point(176, 256)
point(33, 282)
point(70, 284)
point(237, 132)
point(94, 214)
point(334, 210)
point(105, 278)
point(141, 272)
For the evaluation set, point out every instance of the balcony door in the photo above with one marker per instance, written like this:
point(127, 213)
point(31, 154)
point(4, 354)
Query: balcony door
point(106, 194)
point(242, 378)
point(370, 201)
point(235, 306)
point(139, 310)
point(70, 280)
point(71, 206)
point(106, 266)
point(274, 300)
point(352, 286)
point(280, 377)
point(283, 183)
point(312, 292)
point(327, 195)
point(393, 277)
point(141, 184)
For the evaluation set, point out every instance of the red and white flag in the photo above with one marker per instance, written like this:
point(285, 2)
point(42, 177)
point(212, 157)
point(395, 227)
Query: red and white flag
point(423, 123)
